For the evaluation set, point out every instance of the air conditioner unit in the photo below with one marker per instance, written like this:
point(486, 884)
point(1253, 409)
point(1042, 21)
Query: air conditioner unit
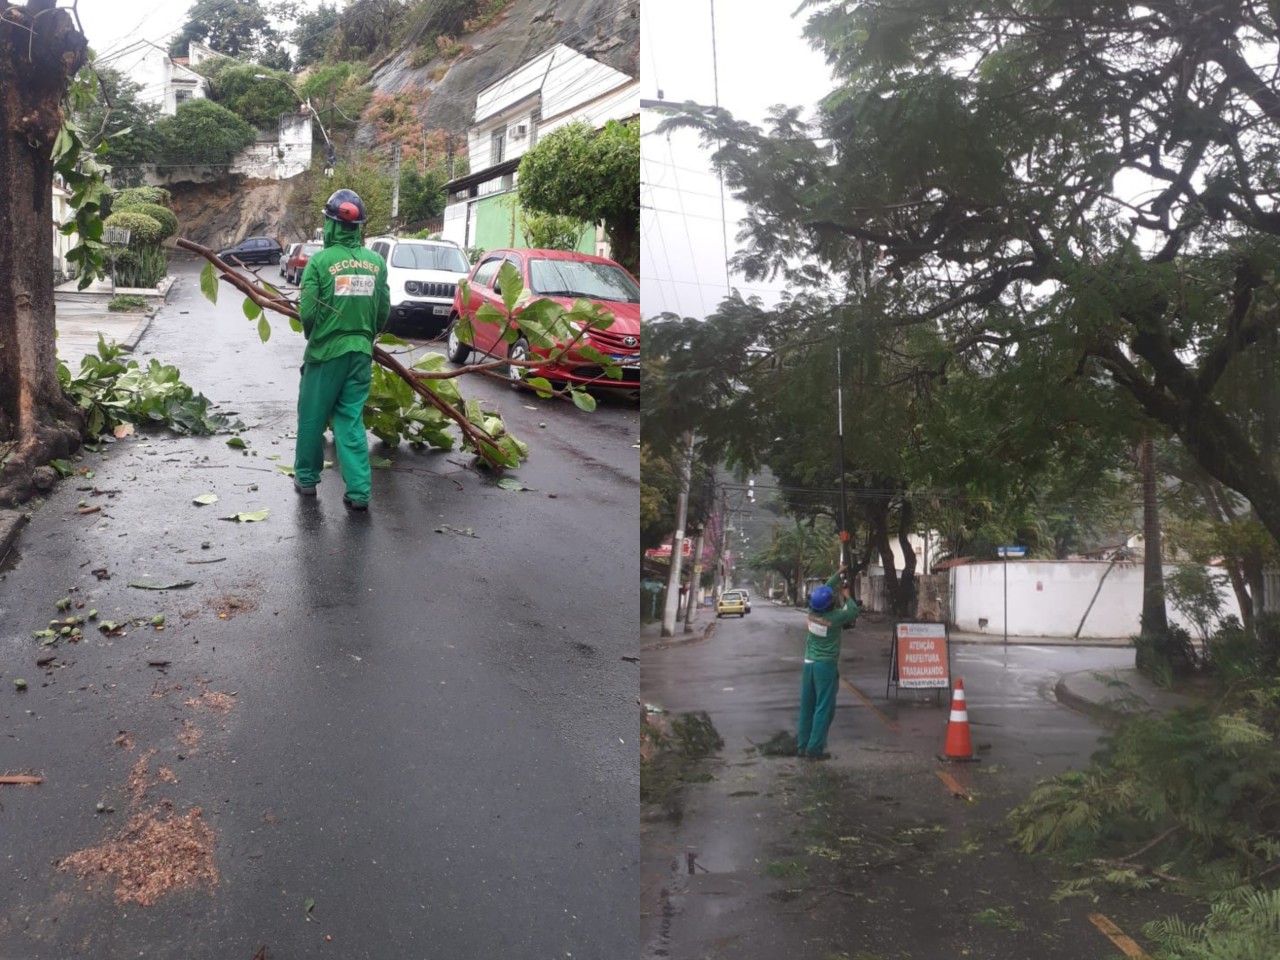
point(520, 131)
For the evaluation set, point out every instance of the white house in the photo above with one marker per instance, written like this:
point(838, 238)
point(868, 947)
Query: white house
point(555, 88)
point(164, 80)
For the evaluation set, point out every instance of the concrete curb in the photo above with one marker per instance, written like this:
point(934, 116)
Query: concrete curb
point(697, 637)
point(977, 640)
point(11, 522)
point(129, 343)
point(1090, 708)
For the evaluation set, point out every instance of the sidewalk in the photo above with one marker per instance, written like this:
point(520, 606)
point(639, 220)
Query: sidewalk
point(960, 636)
point(80, 324)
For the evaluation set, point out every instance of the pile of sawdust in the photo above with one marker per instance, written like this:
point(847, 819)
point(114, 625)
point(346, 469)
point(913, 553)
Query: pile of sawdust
point(190, 735)
point(138, 776)
point(214, 700)
point(157, 853)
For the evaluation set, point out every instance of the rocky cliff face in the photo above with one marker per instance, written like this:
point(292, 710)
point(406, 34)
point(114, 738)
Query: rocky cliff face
point(218, 214)
point(606, 30)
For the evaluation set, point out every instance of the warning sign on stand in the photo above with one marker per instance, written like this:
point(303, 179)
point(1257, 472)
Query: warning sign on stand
point(920, 657)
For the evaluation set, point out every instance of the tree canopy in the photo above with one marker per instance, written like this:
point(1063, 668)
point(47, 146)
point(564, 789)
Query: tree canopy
point(235, 28)
point(202, 133)
point(257, 101)
point(588, 175)
point(1078, 198)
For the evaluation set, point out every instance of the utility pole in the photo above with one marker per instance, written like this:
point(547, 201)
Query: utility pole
point(671, 608)
point(844, 522)
point(395, 187)
point(695, 578)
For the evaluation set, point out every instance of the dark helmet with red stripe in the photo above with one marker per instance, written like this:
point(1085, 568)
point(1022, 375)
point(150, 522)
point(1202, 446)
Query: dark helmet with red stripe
point(345, 206)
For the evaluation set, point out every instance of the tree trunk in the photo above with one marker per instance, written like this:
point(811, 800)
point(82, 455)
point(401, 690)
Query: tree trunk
point(903, 599)
point(40, 49)
point(1155, 621)
point(878, 521)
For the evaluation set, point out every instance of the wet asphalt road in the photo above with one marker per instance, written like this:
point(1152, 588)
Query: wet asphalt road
point(431, 734)
point(767, 871)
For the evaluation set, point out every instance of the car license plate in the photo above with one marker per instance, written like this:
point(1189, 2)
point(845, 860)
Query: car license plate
point(619, 358)
point(441, 311)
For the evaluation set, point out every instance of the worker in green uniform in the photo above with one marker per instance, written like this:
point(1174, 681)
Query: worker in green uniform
point(821, 676)
point(345, 304)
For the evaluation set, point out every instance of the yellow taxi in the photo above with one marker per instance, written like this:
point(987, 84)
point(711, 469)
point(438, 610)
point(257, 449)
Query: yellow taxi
point(731, 601)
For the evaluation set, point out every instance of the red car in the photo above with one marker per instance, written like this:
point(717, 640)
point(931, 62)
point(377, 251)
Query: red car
point(293, 266)
point(562, 276)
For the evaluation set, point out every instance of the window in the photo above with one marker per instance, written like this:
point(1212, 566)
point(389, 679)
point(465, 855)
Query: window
point(578, 278)
point(423, 256)
point(181, 96)
point(484, 276)
point(498, 147)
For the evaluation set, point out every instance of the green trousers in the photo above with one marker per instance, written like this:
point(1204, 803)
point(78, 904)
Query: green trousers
point(818, 686)
point(334, 390)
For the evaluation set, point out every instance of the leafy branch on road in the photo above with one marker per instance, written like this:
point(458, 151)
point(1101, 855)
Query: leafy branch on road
point(111, 391)
point(417, 402)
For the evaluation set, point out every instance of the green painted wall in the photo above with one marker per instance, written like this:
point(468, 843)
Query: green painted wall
point(495, 216)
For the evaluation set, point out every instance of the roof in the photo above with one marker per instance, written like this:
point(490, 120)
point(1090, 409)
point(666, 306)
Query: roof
point(560, 74)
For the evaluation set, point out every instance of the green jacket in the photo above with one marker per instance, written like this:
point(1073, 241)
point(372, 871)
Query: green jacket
point(345, 299)
point(825, 628)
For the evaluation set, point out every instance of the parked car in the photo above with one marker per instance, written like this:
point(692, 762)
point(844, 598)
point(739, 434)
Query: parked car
point(730, 602)
point(253, 250)
point(298, 260)
point(563, 276)
point(423, 276)
point(286, 254)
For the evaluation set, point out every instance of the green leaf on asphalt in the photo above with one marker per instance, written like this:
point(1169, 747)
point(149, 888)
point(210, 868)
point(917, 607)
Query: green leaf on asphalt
point(251, 310)
point(285, 469)
point(507, 483)
point(379, 463)
point(157, 585)
point(63, 468)
point(264, 329)
point(209, 283)
point(205, 499)
point(584, 401)
point(237, 443)
point(249, 517)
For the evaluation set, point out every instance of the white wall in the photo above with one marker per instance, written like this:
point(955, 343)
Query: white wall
point(1048, 598)
point(455, 223)
point(283, 156)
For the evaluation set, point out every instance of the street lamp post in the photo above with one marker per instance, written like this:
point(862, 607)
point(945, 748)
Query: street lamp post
point(330, 155)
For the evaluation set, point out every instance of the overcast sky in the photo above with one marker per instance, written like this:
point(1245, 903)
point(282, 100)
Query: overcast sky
point(762, 61)
point(115, 23)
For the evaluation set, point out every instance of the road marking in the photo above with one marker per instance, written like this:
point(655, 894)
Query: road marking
point(1117, 936)
point(892, 727)
point(953, 785)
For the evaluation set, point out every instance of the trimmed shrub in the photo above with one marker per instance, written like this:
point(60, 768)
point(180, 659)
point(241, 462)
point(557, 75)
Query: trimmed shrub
point(144, 230)
point(132, 196)
point(162, 215)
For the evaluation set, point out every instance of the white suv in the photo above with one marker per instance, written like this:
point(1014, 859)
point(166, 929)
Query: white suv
point(423, 276)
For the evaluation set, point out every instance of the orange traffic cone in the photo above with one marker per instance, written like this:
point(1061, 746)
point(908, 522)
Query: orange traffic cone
point(959, 746)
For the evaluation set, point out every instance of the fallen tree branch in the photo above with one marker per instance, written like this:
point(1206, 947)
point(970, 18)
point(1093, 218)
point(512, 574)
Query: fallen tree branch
point(484, 444)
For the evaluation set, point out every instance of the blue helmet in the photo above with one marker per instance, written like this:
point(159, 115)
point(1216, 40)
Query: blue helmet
point(821, 599)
